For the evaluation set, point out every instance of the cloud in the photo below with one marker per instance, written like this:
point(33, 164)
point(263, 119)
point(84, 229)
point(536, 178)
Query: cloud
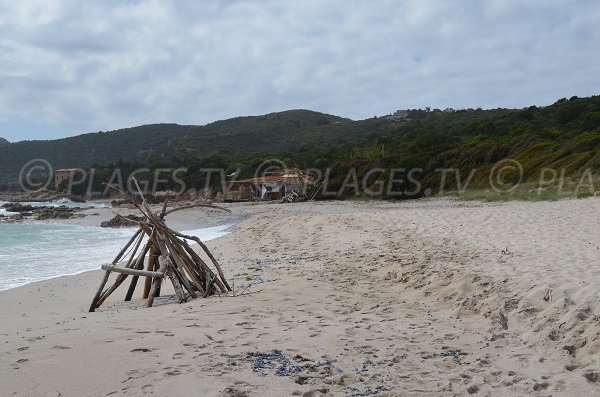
point(71, 67)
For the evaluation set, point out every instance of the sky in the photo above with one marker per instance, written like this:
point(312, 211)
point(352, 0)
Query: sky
point(71, 67)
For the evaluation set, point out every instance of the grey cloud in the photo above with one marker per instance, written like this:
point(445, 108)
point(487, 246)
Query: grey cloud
point(87, 66)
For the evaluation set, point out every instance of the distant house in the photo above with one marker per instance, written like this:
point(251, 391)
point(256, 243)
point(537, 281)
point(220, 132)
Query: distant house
point(272, 186)
point(63, 175)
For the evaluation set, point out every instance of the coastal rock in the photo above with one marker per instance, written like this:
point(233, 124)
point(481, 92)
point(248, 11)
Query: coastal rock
point(41, 195)
point(23, 211)
point(118, 221)
point(53, 213)
point(76, 198)
point(117, 203)
point(129, 203)
point(17, 207)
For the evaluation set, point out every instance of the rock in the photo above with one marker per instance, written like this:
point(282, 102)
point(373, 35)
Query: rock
point(76, 198)
point(53, 213)
point(118, 221)
point(592, 376)
point(17, 207)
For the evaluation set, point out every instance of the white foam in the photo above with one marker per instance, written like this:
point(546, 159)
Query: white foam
point(209, 233)
point(34, 251)
point(58, 203)
point(2, 210)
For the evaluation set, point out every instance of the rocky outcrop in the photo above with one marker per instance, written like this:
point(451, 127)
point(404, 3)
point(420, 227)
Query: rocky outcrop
point(26, 211)
point(41, 195)
point(118, 221)
point(41, 213)
point(53, 213)
point(18, 207)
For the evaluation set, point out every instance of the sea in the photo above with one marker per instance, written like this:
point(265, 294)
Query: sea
point(36, 251)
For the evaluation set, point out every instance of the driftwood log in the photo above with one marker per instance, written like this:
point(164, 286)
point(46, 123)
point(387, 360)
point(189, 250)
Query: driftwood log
point(164, 253)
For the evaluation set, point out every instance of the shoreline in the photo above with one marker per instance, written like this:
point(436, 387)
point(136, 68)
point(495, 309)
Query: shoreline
point(222, 230)
point(430, 297)
point(201, 221)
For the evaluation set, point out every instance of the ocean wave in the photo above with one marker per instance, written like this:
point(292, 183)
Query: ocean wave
point(74, 204)
point(64, 202)
point(35, 251)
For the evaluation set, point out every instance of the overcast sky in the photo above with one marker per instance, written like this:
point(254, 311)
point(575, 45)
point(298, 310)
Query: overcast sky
point(69, 67)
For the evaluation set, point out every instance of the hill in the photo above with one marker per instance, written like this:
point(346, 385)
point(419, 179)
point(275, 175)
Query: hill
point(272, 132)
point(560, 139)
point(564, 136)
point(4, 142)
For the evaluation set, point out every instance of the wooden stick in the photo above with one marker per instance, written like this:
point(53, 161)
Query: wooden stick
point(121, 277)
point(131, 272)
point(224, 286)
point(204, 266)
point(107, 273)
point(176, 260)
point(167, 247)
point(209, 254)
point(171, 272)
point(151, 262)
point(221, 282)
point(164, 263)
point(180, 260)
point(180, 268)
point(208, 285)
point(100, 288)
point(139, 265)
point(163, 213)
point(169, 254)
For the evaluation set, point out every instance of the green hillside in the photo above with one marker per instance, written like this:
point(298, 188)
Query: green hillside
point(564, 136)
point(277, 131)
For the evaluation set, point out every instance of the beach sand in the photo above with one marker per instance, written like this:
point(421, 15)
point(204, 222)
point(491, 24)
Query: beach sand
point(428, 297)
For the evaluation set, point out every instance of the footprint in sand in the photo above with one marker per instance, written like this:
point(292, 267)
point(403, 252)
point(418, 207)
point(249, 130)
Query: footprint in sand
point(239, 389)
point(141, 350)
point(591, 376)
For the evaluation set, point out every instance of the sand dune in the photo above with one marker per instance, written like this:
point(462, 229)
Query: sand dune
point(421, 298)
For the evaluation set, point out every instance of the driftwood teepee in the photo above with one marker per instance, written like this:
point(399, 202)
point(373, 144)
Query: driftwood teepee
point(167, 253)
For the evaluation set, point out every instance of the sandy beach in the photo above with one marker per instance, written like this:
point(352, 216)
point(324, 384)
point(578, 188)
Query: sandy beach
point(428, 297)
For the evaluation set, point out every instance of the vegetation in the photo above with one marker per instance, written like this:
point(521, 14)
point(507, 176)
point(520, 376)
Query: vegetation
point(563, 137)
point(488, 196)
